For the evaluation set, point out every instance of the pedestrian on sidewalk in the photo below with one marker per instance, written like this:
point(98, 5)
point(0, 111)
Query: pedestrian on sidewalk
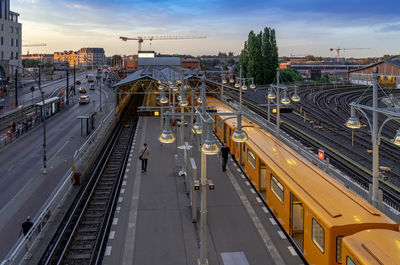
point(26, 226)
point(144, 155)
point(224, 152)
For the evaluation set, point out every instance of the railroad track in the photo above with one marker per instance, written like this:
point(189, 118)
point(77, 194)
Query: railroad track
point(81, 240)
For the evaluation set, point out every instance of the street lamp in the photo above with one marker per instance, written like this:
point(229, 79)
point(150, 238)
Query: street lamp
point(43, 116)
point(354, 123)
point(167, 136)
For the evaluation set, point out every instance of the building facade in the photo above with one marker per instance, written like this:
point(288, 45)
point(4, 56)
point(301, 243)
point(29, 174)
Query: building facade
point(388, 72)
point(91, 57)
point(10, 40)
point(69, 57)
point(42, 57)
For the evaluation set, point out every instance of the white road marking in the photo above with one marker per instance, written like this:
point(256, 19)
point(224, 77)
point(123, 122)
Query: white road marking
point(272, 220)
point(127, 170)
point(282, 235)
point(108, 251)
point(115, 221)
point(129, 159)
point(120, 199)
point(126, 176)
point(243, 176)
point(252, 191)
point(130, 155)
point(129, 164)
point(111, 235)
point(265, 209)
point(238, 170)
point(122, 191)
point(258, 200)
point(119, 208)
point(247, 183)
point(58, 151)
point(124, 183)
point(292, 251)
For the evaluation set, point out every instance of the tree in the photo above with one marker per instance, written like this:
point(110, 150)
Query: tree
point(230, 61)
point(310, 58)
point(290, 75)
point(259, 57)
point(222, 54)
point(230, 54)
point(29, 63)
point(386, 57)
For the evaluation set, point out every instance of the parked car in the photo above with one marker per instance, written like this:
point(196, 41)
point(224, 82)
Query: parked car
point(91, 87)
point(82, 90)
point(84, 99)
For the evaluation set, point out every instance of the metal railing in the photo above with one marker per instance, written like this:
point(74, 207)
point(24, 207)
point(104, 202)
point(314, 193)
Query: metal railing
point(311, 157)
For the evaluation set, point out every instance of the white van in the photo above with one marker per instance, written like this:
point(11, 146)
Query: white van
point(91, 87)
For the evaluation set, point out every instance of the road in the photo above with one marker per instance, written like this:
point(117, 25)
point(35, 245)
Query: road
point(23, 188)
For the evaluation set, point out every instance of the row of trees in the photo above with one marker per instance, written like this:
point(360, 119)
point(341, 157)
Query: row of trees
point(259, 58)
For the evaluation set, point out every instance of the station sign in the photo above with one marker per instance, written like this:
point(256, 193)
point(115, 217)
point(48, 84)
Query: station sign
point(321, 154)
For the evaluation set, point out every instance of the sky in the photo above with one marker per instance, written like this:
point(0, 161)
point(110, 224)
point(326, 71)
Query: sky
point(302, 26)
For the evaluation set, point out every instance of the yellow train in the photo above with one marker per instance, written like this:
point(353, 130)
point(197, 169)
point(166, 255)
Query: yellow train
point(316, 211)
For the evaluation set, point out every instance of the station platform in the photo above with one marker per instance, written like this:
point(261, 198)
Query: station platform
point(153, 223)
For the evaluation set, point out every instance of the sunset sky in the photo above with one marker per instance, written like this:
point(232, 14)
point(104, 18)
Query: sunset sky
point(303, 26)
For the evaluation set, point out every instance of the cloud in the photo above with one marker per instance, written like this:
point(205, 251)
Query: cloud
point(390, 28)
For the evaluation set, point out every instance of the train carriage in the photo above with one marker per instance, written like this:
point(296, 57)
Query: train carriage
point(315, 210)
point(372, 247)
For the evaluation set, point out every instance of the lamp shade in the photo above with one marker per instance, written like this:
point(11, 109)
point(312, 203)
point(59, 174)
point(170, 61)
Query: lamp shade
point(237, 85)
point(285, 100)
point(239, 136)
point(295, 97)
point(199, 100)
point(353, 123)
point(163, 99)
point(210, 148)
point(183, 102)
point(166, 137)
point(271, 94)
point(396, 139)
point(244, 87)
point(224, 81)
point(252, 86)
point(197, 128)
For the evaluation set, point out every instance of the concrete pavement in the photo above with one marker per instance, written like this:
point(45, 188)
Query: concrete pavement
point(153, 224)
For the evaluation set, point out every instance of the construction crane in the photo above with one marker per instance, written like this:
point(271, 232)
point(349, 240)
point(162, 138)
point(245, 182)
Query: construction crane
point(34, 45)
point(343, 49)
point(150, 38)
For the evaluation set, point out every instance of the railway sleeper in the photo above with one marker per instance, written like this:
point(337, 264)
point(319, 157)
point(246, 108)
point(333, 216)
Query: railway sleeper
point(75, 257)
point(88, 229)
point(81, 246)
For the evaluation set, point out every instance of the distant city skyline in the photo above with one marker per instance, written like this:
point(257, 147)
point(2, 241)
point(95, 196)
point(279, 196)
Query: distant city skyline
point(303, 26)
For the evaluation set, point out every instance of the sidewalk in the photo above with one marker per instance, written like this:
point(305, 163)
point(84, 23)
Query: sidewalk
point(153, 224)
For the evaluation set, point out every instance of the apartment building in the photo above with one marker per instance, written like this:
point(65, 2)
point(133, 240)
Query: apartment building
point(91, 57)
point(10, 39)
point(70, 57)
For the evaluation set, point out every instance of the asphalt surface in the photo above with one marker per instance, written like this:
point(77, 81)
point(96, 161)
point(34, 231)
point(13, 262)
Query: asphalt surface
point(23, 187)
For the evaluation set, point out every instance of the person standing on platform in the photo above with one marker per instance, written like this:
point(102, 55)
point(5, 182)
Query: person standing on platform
point(224, 152)
point(144, 155)
point(26, 226)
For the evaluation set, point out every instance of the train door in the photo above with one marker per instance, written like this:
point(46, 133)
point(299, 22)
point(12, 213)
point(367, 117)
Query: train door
point(263, 178)
point(297, 221)
point(242, 154)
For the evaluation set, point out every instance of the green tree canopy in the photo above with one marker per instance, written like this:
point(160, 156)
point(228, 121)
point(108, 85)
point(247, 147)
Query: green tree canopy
point(28, 63)
point(259, 57)
point(290, 75)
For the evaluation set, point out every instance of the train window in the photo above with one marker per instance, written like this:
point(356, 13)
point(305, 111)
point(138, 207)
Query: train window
point(339, 249)
point(349, 261)
point(318, 235)
point(251, 158)
point(277, 188)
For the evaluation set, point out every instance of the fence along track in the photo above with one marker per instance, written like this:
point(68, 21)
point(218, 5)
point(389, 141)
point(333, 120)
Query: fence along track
point(81, 239)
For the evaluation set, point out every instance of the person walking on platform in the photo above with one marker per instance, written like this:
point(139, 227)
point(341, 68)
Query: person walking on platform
point(26, 226)
point(224, 153)
point(144, 155)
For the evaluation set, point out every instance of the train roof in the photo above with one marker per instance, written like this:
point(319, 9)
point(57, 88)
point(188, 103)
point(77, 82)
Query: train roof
point(376, 246)
point(331, 201)
point(221, 107)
